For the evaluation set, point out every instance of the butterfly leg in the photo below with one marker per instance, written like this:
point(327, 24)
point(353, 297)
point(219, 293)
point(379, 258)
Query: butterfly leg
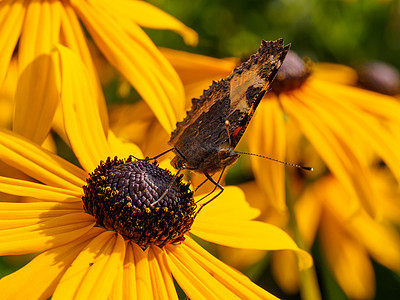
point(159, 155)
point(217, 185)
point(168, 188)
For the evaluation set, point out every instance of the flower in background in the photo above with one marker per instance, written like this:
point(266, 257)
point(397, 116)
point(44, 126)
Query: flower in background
point(86, 255)
point(31, 29)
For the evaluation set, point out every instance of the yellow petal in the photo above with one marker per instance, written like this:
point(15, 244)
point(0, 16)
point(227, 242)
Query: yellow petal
point(36, 99)
point(195, 68)
point(193, 278)
point(84, 278)
point(37, 93)
point(285, 271)
point(11, 21)
point(110, 261)
point(308, 213)
point(13, 215)
point(81, 115)
point(40, 191)
point(147, 15)
point(72, 36)
point(147, 70)
point(140, 271)
point(7, 95)
point(249, 235)
point(129, 285)
point(39, 163)
point(40, 31)
point(232, 279)
point(349, 261)
point(161, 279)
point(336, 149)
point(231, 204)
point(31, 282)
point(267, 136)
point(335, 73)
point(121, 149)
point(45, 235)
point(117, 291)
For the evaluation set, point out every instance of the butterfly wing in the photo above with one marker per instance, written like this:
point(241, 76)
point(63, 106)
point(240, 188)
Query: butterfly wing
point(234, 98)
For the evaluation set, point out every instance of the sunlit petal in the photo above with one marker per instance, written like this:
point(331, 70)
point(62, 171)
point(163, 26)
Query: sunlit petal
point(45, 235)
point(148, 71)
point(40, 163)
point(268, 135)
point(193, 278)
point(249, 235)
point(40, 191)
point(240, 284)
point(37, 93)
point(11, 22)
point(72, 36)
point(18, 215)
point(102, 254)
point(163, 285)
point(81, 116)
point(32, 282)
point(147, 15)
point(231, 204)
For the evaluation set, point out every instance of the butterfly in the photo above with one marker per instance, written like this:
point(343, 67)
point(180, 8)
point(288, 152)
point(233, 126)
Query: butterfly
point(205, 140)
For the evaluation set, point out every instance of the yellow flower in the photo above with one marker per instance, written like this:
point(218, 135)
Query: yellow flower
point(80, 258)
point(348, 239)
point(31, 29)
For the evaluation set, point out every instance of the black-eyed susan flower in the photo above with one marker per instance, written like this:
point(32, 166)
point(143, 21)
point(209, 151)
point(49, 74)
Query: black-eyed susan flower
point(31, 29)
point(84, 221)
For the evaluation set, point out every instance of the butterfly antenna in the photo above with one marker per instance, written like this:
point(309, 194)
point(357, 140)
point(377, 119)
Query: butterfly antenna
point(279, 161)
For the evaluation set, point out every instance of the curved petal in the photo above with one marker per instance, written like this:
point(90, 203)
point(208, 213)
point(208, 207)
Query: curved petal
point(147, 15)
point(72, 36)
point(11, 21)
point(285, 271)
point(231, 204)
point(335, 73)
point(37, 94)
point(148, 71)
point(367, 127)
point(83, 280)
point(267, 135)
point(7, 95)
point(136, 266)
point(34, 213)
point(163, 285)
point(45, 235)
point(31, 282)
point(121, 149)
point(40, 191)
point(232, 279)
point(335, 145)
point(195, 68)
point(249, 235)
point(39, 163)
point(193, 278)
point(81, 115)
point(349, 261)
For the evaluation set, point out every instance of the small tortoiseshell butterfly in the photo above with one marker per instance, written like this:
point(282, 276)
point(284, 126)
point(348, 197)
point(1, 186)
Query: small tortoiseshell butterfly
point(201, 141)
point(205, 140)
